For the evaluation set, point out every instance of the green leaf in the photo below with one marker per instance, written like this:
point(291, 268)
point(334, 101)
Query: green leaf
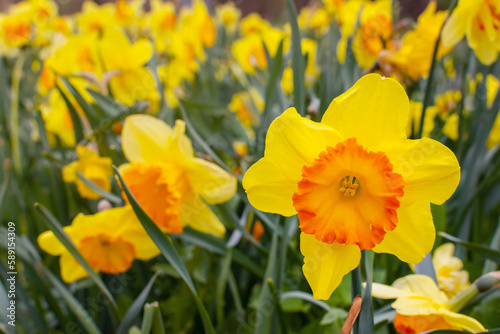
point(63, 237)
point(75, 117)
point(298, 64)
point(307, 297)
point(167, 249)
point(73, 304)
point(107, 104)
point(477, 248)
point(336, 315)
point(136, 307)
point(103, 193)
point(87, 108)
point(366, 313)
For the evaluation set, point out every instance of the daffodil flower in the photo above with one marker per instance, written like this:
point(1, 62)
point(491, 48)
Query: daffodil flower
point(95, 168)
point(420, 306)
point(109, 240)
point(167, 180)
point(451, 277)
point(480, 21)
point(355, 181)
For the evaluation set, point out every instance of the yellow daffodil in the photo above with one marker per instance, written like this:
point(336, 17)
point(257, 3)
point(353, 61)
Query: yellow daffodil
point(197, 19)
point(254, 24)
point(95, 18)
point(373, 35)
point(166, 179)
point(128, 12)
point(245, 104)
point(15, 30)
point(451, 126)
point(250, 54)
point(241, 148)
point(420, 306)
point(287, 80)
point(354, 180)
point(93, 167)
point(228, 15)
point(414, 55)
point(133, 81)
point(109, 240)
point(451, 277)
point(334, 6)
point(57, 120)
point(480, 21)
point(314, 18)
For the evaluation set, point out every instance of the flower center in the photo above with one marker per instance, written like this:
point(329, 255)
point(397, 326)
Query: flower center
point(106, 254)
point(349, 195)
point(159, 189)
point(348, 186)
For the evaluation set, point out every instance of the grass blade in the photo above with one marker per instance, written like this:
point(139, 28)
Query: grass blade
point(136, 307)
point(298, 64)
point(477, 248)
point(61, 235)
point(75, 117)
point(103, 193)
point(164, 243)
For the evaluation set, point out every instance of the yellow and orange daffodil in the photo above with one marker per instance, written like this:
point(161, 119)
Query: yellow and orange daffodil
point(166, 179)
point(109, 240)
point(355, 181)
point(420, 306)
point(450, 275)
point(480, 21)
point(413, 54)
point(95, 168)
point(133, 81)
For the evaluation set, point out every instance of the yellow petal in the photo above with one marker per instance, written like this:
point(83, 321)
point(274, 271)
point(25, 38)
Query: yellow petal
point(71, 270)
point(456, 26)
point(49, 243)
point(198, 215)
point(375, 110)
point(485, 49)
point(430, 169)
point(421, 286)
point(413, 236)
point(326, 264)
point(144, 138)
point(386, 292)
point(291, 143)
point(179, 148)
point(69, 172)
point(462, 321)
point(213, 183)
point(141, 52)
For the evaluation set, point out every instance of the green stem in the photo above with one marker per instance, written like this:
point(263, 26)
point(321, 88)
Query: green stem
point(356, 291)
point(14, 113)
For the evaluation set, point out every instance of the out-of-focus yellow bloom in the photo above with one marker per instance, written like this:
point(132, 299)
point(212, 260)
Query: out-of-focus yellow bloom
point(133, 81)
point(415, 115)
point(451, 126)
point(480, 20)
point(109, 240)
point(314, 18)
point(78, 54)
point(93, 167)
point(373, 34)
point(95, 18)
point(128, 12)
point(352, 181)
point(333, 6)
point(228, 15)
point(249, 52)
point(241, 148)
point(258, 230)
point(57, 120)
point(309, 47)
point(449, 67)
point(287, 80)
point(415, 53)
point(246, 105)
point(168, 181)
point(198, 23)
point(254, 24)
point(451, 277)
point(448, 101)
point(420, 306)
point(15, 31)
